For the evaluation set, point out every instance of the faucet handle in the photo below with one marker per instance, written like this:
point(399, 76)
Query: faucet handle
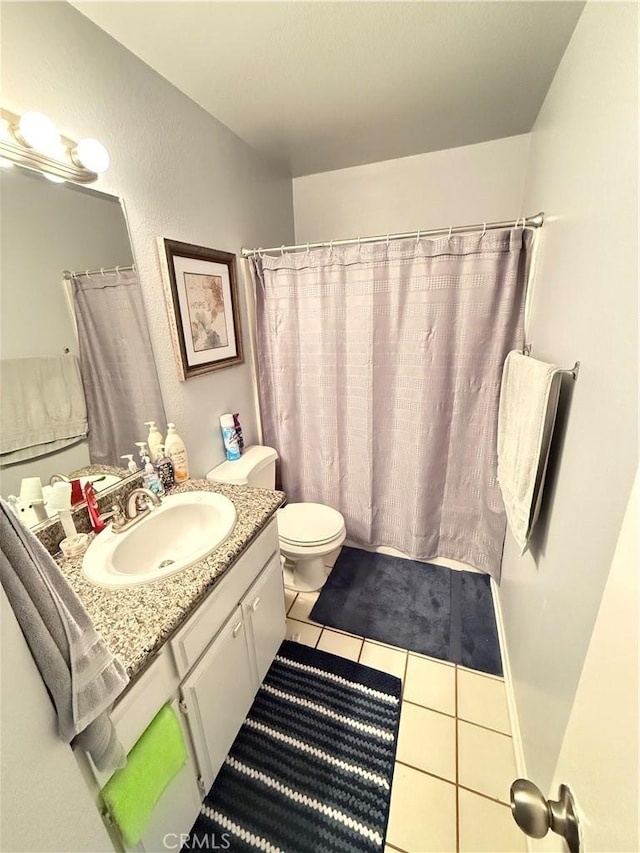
point(143, 501)
point(115, 513)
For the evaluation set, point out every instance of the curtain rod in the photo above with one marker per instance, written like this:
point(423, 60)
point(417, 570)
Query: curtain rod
point(526, 222)
point(67, 274)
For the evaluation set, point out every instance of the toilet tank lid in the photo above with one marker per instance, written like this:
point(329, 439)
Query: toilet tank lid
point(238, 471)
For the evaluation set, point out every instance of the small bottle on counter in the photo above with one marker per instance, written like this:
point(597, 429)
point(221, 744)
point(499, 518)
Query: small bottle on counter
point(230, 437)
point(238, 428)
point(131, 465)
point(151, 479)
point(165, 470)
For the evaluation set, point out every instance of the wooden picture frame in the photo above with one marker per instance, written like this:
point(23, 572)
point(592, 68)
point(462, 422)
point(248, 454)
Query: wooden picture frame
point(201, 295)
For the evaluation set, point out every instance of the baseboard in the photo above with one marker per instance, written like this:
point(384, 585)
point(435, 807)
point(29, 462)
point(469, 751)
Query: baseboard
point(518, 749)
point(445, 562)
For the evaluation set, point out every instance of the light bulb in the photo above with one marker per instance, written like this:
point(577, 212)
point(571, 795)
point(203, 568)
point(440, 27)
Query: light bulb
point(92, 155)
point(54, 178)
point(5, 164)
point(39, 132)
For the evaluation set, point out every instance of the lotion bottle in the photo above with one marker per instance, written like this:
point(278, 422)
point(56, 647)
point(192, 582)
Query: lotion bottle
point(177, 453)
point(154, 440)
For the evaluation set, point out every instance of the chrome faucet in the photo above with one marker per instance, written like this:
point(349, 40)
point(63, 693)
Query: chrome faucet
point(58, 478)
point(138, 506)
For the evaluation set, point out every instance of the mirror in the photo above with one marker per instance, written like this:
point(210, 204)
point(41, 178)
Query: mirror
point(47, 228)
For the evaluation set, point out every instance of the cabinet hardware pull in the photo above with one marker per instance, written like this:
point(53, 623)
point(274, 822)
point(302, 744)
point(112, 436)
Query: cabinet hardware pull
point(201, 784)
point(183, 707)
point(237, 629)
point(256, 604)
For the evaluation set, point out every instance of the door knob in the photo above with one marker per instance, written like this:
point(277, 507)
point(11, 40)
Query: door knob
point(536, 816)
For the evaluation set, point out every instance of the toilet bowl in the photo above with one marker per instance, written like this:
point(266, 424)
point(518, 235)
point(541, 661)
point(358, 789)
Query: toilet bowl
point(308, 531)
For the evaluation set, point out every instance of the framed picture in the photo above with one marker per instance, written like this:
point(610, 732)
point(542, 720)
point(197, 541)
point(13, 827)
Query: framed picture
point(201, 294)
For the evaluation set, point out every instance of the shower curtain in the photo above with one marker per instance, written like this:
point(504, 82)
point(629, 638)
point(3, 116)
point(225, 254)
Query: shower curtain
point(380, 370)
point(116, 364)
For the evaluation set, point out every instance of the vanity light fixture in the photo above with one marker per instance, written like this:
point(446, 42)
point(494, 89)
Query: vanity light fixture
point(91, 155)
point(32, 140)
point(37, 131)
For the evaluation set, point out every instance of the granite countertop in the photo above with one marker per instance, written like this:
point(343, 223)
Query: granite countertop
point(137, 621)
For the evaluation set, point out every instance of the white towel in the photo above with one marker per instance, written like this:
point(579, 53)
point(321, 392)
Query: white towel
point(526, 416)
point(43, 406)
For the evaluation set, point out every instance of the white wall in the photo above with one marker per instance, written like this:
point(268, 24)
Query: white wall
point(183, 175)
point(457, 186)
point(47, 228)
point(583, 173)
point(599, 755)
point(45, 805)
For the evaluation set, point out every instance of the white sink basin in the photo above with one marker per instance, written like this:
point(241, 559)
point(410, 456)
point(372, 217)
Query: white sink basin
point(184, 529)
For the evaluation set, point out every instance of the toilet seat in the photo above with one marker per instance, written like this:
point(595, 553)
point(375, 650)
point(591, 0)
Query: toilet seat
point(307, 525)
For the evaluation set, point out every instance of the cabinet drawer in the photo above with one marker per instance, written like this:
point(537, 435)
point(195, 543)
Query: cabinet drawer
point(194, 637)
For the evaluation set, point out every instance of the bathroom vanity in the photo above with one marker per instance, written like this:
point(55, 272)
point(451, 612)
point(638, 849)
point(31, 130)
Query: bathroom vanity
point(201, 640)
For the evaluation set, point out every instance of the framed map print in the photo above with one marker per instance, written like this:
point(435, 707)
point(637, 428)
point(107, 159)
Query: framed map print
point(201, 295)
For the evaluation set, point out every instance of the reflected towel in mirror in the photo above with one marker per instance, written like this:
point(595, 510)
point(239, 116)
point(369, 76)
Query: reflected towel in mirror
point(43, 406)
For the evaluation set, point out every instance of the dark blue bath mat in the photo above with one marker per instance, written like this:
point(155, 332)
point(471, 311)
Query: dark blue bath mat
point(418, 606)
point(312, 765)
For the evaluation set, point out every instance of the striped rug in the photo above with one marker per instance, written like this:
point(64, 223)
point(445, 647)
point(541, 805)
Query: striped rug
point(311, 767)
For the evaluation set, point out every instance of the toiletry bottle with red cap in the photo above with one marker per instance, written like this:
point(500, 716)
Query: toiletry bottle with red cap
point(92, 505)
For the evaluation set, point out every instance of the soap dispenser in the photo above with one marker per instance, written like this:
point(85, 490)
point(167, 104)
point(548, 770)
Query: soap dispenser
point(151, 479)
point(131, 465)
point(177, 453)
point(154, 440)
point(142, 451)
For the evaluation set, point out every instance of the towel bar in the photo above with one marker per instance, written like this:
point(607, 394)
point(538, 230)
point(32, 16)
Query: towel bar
point(526, 350)
point(573, 371)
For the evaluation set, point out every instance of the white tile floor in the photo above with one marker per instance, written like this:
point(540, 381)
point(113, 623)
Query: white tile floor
point(455, 761)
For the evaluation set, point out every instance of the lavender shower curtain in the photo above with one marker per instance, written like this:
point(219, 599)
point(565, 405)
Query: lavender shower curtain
point(380, 370)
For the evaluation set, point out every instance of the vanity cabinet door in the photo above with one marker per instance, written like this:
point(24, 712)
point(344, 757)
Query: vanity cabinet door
point(217, 696)
point(263, 607)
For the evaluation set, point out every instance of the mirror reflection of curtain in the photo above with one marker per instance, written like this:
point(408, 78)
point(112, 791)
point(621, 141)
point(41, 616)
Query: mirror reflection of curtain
point(116, 362)
point(380, 370)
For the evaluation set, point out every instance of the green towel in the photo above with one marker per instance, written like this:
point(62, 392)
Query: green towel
point(132, 793)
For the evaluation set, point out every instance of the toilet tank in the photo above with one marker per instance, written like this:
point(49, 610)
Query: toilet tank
point(256, 467)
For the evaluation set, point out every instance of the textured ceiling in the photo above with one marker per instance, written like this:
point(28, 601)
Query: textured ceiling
point(315, 86)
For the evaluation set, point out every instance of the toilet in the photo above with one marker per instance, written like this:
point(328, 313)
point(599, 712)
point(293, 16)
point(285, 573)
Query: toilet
point(308, 532)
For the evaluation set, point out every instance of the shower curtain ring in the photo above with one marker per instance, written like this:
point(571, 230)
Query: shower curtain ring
point(418, 238)
point(450, 230)
point(117, 269)
point(387, 241)
point(484, 230)
point(307, 248)
point(282, 251)
point(102, 272)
